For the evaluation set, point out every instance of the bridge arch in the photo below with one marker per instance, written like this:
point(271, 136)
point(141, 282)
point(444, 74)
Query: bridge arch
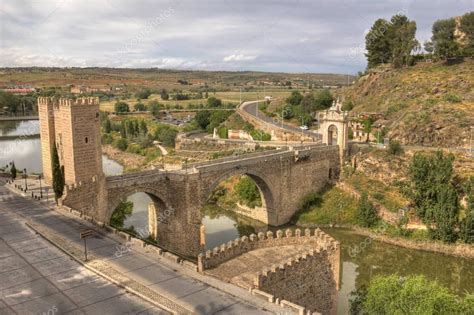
point(264, 185)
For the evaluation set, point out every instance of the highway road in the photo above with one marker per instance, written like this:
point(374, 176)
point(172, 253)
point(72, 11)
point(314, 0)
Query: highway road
point(251, 108)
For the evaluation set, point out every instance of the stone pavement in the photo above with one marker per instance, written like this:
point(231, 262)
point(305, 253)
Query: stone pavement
point(37, 278)
point(180, 290)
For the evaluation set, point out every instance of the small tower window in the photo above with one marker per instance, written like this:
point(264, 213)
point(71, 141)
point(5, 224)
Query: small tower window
point(86, 140)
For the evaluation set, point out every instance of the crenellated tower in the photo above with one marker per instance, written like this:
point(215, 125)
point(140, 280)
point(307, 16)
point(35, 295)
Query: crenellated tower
point(73, 124)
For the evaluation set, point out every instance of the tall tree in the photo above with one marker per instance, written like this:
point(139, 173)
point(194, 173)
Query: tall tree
point(58, 176)
point(402, 33)
point(377, 44)
point(444, 40)
point(467, 27)
point(433, 194)
point(13, 170)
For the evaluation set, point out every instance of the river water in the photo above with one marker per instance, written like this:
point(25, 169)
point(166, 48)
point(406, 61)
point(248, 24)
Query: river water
point(222, 226)
point(21, 143)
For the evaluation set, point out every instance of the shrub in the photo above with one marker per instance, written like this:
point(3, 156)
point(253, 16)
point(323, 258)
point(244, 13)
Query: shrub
point(367, 215)
point(214, 102)
point(395, 148)
point(408, 295)
point(452, 98)
point(140, 107)
point(121, 107)
point(166, 135)
point(121, 144)
point(121, 213)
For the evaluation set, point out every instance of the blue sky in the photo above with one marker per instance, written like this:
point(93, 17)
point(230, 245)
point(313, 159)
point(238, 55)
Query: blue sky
point(289, 36)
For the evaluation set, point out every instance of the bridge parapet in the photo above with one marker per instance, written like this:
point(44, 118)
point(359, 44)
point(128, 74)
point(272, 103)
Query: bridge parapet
point(239, 246)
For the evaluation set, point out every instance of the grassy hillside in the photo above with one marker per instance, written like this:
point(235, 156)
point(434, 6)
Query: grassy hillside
point(427, 104)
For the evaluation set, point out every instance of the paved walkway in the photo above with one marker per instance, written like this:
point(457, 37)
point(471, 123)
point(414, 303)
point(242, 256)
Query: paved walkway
point(135, 267)
point(37, 278)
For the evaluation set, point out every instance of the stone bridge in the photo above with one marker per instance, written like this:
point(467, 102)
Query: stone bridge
point(283, 176)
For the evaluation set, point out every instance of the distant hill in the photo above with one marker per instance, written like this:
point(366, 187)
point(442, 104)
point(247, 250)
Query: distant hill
point(162, 78)
point(426, 104)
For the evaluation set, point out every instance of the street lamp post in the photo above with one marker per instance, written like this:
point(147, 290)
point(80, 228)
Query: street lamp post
point(41, 187)
point(25, 176)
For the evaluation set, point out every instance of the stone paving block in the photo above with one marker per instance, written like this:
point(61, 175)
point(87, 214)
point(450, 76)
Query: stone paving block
point(11, 263)
point(41, 254)
point(57, 265)
point(56, 303)
point(26, 292)
point(130, 262)
point(122, 304)
point(110, 251)
point(18, 236)
point(93, 292)
point(178, 287)
point(29, 245)
point(209, 301)
point(18, 276)
point(5, 250)
point(153, 311)
point(73, 278)
point(239, 309)
point(153, 274)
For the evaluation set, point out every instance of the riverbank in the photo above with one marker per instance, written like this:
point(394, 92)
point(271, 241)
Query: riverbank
point(457, 250)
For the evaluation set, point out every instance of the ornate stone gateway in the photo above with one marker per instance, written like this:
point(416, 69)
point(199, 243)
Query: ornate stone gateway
point(284, 176)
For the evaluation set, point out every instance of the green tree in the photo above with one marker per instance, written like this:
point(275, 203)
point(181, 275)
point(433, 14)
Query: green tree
point(308, 103)
point(214, 102)
point(410, 295)
point(323, 99)
point(444, 41)
point(467, 27)
point(377, 44)
point(140, 107)
point(13, 170)
point(164, 95)
point(402, 33)
point(121, 213)
point(367, 214)
point(368, 123)
point(58, 176)
point(107, 125)
point(248, 192)
point(287, 112)
point(143, 127)
point(143, 94)
point(154, 107)
point(394, 147)
point(121, 144)
point(295, 98)
point(433, 193)
point(347, 105)
point(121, 107)
point(467, 225)
point(203, 118)
point(166, 135)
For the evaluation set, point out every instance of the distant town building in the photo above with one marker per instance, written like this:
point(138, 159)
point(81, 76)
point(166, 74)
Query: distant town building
point(19, 91)
point(80, 89)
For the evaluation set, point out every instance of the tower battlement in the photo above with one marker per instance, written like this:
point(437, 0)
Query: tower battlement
point(63, 102)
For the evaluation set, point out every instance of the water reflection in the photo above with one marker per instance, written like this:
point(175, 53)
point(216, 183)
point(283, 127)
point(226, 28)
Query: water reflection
point(19, 128)
point(139, 218)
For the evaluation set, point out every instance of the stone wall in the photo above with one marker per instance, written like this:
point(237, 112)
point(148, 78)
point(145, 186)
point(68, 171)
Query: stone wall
point(306, 280)
point(232, 249)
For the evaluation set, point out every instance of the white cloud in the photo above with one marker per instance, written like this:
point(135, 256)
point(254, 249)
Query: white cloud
point(238, 57)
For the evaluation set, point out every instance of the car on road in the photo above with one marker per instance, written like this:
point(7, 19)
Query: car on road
point(304, 127)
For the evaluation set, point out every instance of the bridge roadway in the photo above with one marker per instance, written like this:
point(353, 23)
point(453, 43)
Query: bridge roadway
point(36, 276)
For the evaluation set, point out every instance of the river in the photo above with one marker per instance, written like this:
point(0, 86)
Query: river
point(21, 143)
point(221, 226)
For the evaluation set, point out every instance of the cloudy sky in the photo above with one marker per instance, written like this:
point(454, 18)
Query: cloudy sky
point(266, 35)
